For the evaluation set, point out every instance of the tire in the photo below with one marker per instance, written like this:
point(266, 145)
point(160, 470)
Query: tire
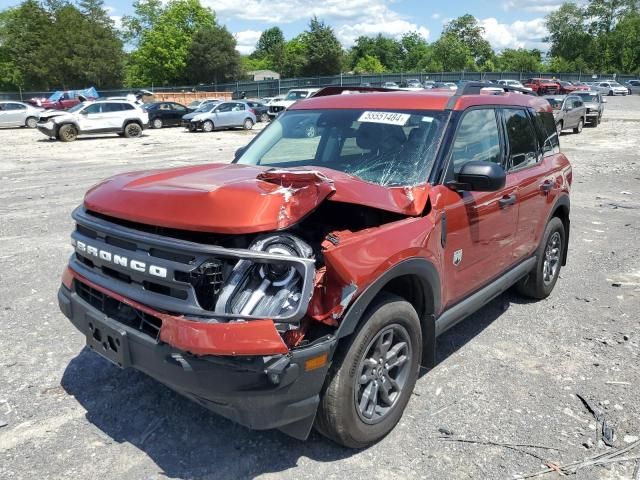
point(191, 127)
point(599, 119)
point(132, 130)
point(579, 127)
point(67, 133)
point(610, 93)
point(559, 126)
point(248, 124)
point(31, 122)
point(207, 126)
point(341, 414)
point(156, 123)
point(540, 281)
point(264, 117)
point(310, 131)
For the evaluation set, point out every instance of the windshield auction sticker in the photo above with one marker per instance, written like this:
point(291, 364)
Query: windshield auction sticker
point(388, 118)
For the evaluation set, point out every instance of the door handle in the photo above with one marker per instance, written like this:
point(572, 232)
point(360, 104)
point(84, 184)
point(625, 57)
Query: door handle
point(507, 200)
point(547, 186)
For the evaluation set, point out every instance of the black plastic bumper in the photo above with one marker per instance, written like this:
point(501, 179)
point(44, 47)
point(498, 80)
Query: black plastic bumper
point(257, 392)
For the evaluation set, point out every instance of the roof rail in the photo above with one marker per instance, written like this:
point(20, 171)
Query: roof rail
point(339, 90)
point(473, 88)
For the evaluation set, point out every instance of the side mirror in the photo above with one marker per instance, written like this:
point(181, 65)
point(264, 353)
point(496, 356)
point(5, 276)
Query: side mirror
point(239, 152)
point(84, 112)
point(481, 176)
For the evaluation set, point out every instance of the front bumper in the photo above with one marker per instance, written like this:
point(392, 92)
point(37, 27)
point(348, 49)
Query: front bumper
point(259, 392)
point(48, 128)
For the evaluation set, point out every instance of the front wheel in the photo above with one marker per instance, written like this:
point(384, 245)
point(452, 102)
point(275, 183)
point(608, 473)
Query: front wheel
point(541, 280)
point(31, 122)
point(610, 93)
point(207, 126)
point(579, 127)
point(67, 133)
point(373, 376)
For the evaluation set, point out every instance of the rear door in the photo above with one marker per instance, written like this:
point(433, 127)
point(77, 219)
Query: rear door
point(480, 226)
point(239, 110)
point(527, 168)
point(112, 115)
point(15, 114)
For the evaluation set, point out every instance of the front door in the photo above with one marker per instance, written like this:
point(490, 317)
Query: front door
point(91, 119)
point(480, 226)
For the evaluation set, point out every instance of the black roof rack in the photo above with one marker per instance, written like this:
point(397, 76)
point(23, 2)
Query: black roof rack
point(339, 90)
point(473, 88)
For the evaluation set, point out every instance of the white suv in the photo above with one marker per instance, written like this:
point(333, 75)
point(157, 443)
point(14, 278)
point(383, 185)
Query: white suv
point(127, 119)
point(279, 106)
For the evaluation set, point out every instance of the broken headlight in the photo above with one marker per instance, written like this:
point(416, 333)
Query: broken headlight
point(267, 289)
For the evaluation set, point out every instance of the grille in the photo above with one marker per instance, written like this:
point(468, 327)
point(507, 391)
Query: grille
point(116, 310)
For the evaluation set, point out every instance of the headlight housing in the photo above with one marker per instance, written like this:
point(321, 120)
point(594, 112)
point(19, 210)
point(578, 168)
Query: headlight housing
point(275, 289)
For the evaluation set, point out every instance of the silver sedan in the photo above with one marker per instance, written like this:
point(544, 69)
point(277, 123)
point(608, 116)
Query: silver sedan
point(18, 114)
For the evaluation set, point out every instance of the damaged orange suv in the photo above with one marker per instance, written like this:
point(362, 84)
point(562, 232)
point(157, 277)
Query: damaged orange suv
point(306, 282)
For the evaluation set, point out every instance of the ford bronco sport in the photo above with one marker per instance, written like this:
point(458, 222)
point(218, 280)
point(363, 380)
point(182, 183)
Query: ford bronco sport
point(304, 283)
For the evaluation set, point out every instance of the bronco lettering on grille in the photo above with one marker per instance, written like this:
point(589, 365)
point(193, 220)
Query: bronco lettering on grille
point(137, 265)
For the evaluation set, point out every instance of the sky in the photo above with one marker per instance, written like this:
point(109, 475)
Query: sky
point(507, 23)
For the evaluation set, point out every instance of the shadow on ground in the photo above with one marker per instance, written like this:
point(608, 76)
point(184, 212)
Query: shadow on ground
point(186, 440)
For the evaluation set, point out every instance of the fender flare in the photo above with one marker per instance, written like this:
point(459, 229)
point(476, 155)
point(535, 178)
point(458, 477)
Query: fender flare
point(423, 269)
point(562, 201)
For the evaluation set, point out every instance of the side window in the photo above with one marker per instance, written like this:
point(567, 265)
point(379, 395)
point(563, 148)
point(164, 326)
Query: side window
point(546, 131)
point(577, 103)
point(15, 106)
point(93, 108)
point(478, 138)
point(111, 107)
point(225, 107)
point(523, 148)
point(127, 106)
point(179, 108)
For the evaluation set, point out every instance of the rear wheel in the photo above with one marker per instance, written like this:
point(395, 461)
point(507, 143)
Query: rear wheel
point(578, 128)
point(248, 124)
point(373, 376)
point(132, 130)
point(31, 122)
point(67, 133)
point(207, 126)
point(264, 117)
point(541, 280)
point(156, 123)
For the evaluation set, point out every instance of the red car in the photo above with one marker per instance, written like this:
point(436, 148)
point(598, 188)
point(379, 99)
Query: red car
point(64, 100)
point(306, 282)
point(543, 86)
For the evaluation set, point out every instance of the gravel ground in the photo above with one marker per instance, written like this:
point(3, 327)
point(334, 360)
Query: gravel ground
point(510, 373)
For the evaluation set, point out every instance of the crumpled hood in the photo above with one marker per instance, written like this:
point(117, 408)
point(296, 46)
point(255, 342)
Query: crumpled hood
point(51, 113)
point(233, 198)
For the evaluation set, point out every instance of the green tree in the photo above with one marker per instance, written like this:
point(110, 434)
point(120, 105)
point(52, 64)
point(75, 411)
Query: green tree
point(323, 50)
point(388, 50)
point(295, 57)
point(146, 14)
point(415, 48)
point(519, 60)
point(271, 47)
point(467, 29)
point(605, 14)
point(625, 42)
point(567, 32)
point(161, 56)
point(212, 56)
point(452, 54)
point(369, 64)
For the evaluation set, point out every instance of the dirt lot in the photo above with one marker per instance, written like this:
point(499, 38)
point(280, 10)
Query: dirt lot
point(508, 374)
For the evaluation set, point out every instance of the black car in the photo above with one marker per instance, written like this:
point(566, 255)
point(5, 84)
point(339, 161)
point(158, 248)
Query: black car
point(165, 114)
point(260, 110)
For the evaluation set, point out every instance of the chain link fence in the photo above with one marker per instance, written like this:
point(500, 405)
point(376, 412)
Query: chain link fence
point(270, 88)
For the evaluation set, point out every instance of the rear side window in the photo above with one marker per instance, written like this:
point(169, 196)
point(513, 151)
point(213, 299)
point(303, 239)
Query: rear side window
point(523, 147)
point(478, 138)
point(546, 132)
point(127, 106)
point(111, 107)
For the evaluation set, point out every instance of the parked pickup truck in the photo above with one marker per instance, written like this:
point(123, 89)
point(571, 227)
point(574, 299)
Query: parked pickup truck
point(306, 282)
point(543, 86)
